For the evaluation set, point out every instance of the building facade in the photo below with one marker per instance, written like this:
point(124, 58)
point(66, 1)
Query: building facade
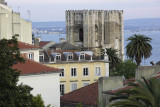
point(11, 23)
point(95, 30)
point(79, 69)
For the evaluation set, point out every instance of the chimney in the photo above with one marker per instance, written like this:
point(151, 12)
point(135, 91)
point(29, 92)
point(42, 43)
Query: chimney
point(106, 84)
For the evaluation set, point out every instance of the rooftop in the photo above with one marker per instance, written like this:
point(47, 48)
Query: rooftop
point(32, 67)
point(89, 92)
point(43, 43)
point(23, 45)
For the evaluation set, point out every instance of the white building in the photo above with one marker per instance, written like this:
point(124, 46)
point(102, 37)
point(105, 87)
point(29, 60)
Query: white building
point(11, 23)
point(29, 51)
point(43, 79)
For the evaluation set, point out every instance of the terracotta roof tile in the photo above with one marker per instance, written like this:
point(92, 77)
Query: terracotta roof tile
point(23, 45)
point(32, 67)
point(43, 43)
point(89, 92)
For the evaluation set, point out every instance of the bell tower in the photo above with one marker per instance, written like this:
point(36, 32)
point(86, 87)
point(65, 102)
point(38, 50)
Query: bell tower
point(95, 30)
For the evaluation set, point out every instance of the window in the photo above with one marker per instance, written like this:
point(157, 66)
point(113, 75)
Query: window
point(62, 89)
point(73, 86)
point(73, 72)
point(41, 57)
point(97, 71)
point(58, 57)
point(62, 74)
point(85, 72)
point(82, 56)
point(70, 56)
point(30, 56)
point(85, 84)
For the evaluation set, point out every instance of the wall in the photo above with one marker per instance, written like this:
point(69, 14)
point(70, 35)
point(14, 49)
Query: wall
point(11, 23)
point(36, 53)
point(101, 29)
point(46, 47)
point(106, 84)
point(146, 71)
point(79, 79)
point(26, 31)
point(45, 84)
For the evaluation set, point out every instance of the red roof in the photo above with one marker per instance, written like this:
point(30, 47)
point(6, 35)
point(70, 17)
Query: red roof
point(32, 67)
point(23, 45)
point(87, 95)
point(43, 43)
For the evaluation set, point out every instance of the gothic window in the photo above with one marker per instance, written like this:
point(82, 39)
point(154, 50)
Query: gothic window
point(81, 35)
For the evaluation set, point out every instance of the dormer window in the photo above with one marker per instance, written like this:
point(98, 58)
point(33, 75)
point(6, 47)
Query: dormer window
point(58, 57)
point(70, 56)
point(82, 56)
point(41, 57)
point(30, 56)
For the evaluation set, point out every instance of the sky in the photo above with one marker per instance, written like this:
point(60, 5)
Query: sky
point(54, 10)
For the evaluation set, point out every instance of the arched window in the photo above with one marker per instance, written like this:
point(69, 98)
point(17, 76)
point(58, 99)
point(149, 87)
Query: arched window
point(81, 35)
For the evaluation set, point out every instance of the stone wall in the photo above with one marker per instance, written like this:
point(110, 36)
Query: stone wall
point(106, 84)
point(100, 29)
point(146, 71)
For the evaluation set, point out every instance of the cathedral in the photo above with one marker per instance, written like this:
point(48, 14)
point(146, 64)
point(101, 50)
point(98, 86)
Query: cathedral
point(96, 30)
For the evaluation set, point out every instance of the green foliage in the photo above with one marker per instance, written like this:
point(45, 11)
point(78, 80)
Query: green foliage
point(12, 94)
point(144, 94)
point(37, 101)
point(113, 57)
point(79, 105)
point(126, 69)
point(138, 48)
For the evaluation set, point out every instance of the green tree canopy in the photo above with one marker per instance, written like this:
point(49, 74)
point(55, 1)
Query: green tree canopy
point(126, 68)
point(145, 93)
point(12, 94)
point(113, 57)
point(138, 48)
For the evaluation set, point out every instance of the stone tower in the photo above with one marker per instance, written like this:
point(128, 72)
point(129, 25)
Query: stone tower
point(95, 30)
point(3, 2)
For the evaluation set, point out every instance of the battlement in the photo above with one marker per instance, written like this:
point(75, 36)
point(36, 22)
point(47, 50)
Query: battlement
point(108, 11)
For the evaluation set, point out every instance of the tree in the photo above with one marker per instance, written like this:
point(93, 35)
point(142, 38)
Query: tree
point(37, 101)
point(12, 94)
point(145, 93)
point(138, 48)
point(113, 57)
point(126, 69)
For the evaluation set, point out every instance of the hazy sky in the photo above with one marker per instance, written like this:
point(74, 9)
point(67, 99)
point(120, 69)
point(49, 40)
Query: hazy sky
point(54, 10)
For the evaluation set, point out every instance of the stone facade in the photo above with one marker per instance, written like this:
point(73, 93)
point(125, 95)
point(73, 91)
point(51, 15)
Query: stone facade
point(95, 30)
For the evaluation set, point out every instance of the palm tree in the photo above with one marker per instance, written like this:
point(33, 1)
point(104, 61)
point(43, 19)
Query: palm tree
point(113, 57)
point(145, 93)
point(138, 48)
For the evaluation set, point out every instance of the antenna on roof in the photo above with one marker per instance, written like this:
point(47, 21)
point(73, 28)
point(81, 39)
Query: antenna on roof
point(29, 14)
point(18, 9)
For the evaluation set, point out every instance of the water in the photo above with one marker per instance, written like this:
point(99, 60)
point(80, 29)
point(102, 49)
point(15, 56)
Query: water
point(155, 35)
point(51, 37)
